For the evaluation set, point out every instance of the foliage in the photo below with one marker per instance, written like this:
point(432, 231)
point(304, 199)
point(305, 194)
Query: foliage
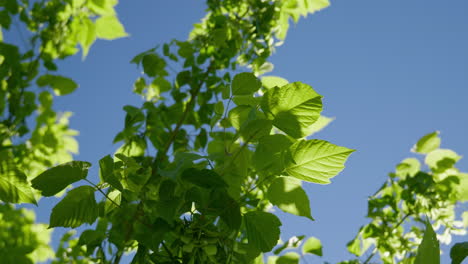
point(228, 147)
point(398, 210)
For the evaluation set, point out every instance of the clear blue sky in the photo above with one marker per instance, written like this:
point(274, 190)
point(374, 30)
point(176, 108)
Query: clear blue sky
point(390, 72)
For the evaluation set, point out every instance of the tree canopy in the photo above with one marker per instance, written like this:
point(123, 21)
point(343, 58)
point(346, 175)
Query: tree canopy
point(206, 156)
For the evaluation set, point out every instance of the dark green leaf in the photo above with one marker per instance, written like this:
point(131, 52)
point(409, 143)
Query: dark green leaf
point(459, 252)
point(78, 207)
point(55, 179)
point(204, 178)
point(262, 230)
point(256, 129)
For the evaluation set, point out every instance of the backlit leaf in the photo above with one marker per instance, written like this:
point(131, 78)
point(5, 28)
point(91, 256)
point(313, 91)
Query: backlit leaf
point(312, 246)
point(427, 143)
point(273, 81)
point(14, 187)
point(55, 179)
point(76, 208)
point(245, 84)
point(109, 27)
point(288, 195)
point(293, 107)
point(315, 160)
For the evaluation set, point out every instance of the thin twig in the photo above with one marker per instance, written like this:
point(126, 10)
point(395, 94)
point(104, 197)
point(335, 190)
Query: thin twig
point(103, 193)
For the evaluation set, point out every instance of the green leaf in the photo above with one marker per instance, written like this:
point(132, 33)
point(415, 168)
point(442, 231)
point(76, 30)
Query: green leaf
point(262, 230)
point(14, 186)
point(459, 252)
point(239, 115)
point(55, 179)
point(409, 166)
point(153, 64)
point(245, 84)
point(78, 207)
point(316, 5)
point(288, 195)
point(267, 155)
point(203, 178)
point(441, 159)
point(273, 81)
point(427, 143)
point(428, 250)
point(319, 125)
point(462, 187)
point(61, 85)
point(293, 108)
point(256, 129)
point(465, 218)
point(312, 246)
point(87, 35)
point(315, 160)
point(288, 258)
point(109, 27)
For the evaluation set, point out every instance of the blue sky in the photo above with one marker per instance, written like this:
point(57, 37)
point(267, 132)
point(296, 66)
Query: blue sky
point(390, 72)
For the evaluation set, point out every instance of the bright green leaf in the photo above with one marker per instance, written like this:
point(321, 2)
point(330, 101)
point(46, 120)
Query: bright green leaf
point(312, 246)
point(262, 230)
point(409, 166)
point(55, 179)
point(273, 81)
point(320, 124)
point(428, 250)
point(78, 207)
point(61, 85)
point(245, 84)
point(293, 108)
point(465, 218)
point(288, 195)
point(459, 252)
point(462, 188)
point(87, 35)
point(288, 258)
point(315, 160)
point(14, 186)
point(441, 159)
point(109, 27)
point(427, 143)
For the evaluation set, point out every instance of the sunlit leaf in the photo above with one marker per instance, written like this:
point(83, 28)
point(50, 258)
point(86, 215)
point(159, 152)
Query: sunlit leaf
point(14, 186)
point(427, 143)
point(288, 258)
point(293, 107)
point(245, 84)
point(273, 81)
point(315, 160)
point(109, 27)
point(288, 195)
point(312, 246)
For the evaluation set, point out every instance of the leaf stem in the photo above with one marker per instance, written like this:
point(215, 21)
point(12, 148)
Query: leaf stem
point(103, 193)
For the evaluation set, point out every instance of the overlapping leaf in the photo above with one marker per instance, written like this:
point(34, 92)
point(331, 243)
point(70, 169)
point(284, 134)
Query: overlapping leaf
point(288, 195)
point(76, 208)
point(293, 107)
